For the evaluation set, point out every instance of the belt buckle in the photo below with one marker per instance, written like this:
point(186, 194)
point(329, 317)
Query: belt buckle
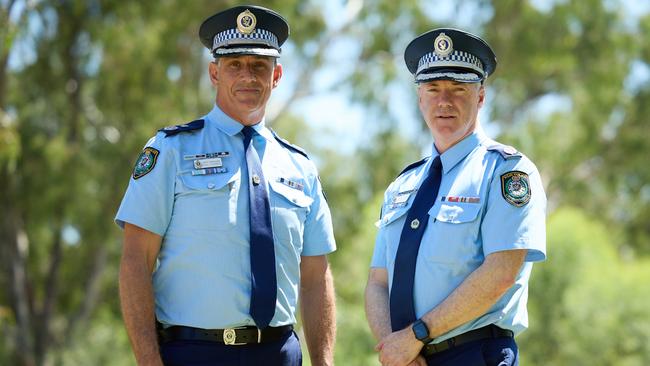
point(230, 337)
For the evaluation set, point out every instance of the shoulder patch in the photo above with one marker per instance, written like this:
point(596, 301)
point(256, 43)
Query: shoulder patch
point(190, 126)
point(508, 152)
point(289, 145)
point(413, 165)
point(146, 162)
point(515, 188)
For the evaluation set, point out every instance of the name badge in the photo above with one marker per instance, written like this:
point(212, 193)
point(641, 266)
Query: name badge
point(208, 163)
point(401, 199)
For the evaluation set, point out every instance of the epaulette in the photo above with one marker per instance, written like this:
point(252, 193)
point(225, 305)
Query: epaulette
point(508, 152)
point(289, 145)
point(413, 165)
point(190, 126)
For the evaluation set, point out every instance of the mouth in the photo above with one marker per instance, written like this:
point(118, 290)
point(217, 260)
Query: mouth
point(248, 88)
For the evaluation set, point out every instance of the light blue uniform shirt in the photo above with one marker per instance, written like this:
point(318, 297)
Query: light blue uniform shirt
point(202, 278)
point(469, 220)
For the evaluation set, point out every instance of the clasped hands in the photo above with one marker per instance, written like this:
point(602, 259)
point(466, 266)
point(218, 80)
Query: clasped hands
point(400, 348)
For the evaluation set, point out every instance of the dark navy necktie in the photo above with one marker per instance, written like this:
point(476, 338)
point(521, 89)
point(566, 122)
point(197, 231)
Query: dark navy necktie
point(263, 280)
point(402, 308)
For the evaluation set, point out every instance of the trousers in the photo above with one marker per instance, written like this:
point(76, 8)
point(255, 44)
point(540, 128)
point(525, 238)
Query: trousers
point(484, 352)
point(284, 352)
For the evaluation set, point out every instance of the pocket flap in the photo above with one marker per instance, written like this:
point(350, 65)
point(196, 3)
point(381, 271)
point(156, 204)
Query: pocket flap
point(293, 195)
point(391, 215)
point(209, 182)
point(456, 213)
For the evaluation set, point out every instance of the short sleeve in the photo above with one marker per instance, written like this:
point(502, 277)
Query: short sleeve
point(379, 254)
point(149, 198)
point(319, 234)
point(515, 220)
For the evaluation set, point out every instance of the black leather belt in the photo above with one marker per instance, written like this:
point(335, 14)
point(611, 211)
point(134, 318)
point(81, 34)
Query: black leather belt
point(230, 336)
point(490, 331)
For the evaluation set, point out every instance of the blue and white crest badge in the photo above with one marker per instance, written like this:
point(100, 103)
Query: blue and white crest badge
point(146, 162)
point(246, 22)
point(443, 45)
point(515, 188)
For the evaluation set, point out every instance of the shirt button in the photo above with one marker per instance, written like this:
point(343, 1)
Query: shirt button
point(415, 224)
point(210, 185)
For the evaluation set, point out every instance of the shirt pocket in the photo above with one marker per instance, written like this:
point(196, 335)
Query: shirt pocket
point(396, 206)
point(289, 210)
point(206, 202)
point(454, 234)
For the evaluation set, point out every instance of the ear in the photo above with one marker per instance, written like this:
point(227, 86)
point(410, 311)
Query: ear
point(481, 95)
point(277, 74)
point(213, 70)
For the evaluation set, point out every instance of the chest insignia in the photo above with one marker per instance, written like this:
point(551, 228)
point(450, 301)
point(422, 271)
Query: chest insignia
point(461, 199)
point(208, 171)
point(219, 154)
point(291, 183)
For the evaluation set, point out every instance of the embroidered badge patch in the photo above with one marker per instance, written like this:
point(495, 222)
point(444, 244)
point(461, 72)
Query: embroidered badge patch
point(146, 162)
point(515, 188)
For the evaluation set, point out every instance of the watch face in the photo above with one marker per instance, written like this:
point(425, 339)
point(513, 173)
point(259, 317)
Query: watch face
point(420, 330)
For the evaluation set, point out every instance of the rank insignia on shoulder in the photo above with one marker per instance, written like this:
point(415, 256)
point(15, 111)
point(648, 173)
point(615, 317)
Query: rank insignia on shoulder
point(146, 162)
point(515, 188)
point(190, 126)
point(506, 151)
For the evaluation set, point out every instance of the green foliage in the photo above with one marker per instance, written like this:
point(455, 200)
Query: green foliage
point(587, 306)
point(355, 343)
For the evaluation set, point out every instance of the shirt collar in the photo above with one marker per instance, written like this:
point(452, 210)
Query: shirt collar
point(224, 123)
point(459, 151)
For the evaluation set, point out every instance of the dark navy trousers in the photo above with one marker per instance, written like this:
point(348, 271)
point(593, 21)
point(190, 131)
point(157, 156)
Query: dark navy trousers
point(284, 352)
point(485, 352)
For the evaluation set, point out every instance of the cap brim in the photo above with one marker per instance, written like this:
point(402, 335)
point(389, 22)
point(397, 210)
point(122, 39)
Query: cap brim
point(234, 51)
point(457, 75)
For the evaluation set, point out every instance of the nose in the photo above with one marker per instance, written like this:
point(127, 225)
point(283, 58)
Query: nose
point(444, 98)
point(248, 73)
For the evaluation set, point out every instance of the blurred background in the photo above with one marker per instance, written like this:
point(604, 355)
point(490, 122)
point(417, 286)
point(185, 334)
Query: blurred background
point(84, 84)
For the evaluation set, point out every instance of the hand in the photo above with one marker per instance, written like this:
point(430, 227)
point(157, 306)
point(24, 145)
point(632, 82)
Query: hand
point(399, 348)
point(419, 361)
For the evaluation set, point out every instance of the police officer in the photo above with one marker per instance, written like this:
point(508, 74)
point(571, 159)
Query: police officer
point(460, 229)
point(225, 224)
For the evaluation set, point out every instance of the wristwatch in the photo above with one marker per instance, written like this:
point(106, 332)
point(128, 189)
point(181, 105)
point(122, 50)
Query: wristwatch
point(421, 331)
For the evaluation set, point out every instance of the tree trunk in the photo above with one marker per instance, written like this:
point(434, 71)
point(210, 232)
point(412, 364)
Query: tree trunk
point(14, 247)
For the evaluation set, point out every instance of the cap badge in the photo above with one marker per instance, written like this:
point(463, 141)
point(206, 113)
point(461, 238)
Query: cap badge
point(246, 22)
point(443, 45)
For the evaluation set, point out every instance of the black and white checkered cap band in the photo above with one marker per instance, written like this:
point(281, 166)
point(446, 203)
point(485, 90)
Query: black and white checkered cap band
point(468, 77)
point(455, 59)
point(233, 36)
